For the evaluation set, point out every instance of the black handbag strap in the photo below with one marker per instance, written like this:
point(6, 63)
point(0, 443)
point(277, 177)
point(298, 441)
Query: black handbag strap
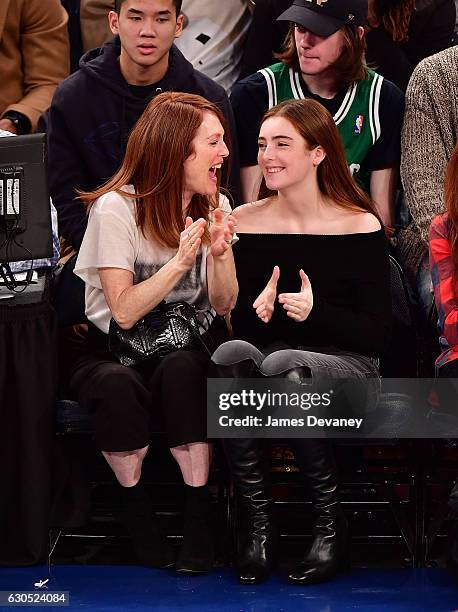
point(175, 312)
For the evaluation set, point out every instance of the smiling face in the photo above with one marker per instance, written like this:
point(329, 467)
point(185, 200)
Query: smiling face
point(147, 29)
point(284, 156)
point(209, 152)
point(317, 53)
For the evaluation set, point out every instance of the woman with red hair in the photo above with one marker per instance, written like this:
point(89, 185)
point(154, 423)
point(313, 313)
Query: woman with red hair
point(158, 231)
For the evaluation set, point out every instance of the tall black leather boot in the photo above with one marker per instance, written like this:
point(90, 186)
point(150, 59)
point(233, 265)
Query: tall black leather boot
point(328, 553)
point(251, 477)
point(249, 470)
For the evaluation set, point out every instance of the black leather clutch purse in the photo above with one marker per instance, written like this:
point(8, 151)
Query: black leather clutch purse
point(167, 328)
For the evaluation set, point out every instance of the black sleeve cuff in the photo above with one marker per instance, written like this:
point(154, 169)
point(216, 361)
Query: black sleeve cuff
point(22, 123)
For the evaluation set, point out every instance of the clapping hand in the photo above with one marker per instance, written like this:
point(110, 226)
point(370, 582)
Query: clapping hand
point(221, 232)
point(298, 305)
point(190, 241)
point(264, 303)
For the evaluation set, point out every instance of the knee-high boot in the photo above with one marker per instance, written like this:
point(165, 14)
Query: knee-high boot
point(328, 553)
point(255, 539)
point(250, 475)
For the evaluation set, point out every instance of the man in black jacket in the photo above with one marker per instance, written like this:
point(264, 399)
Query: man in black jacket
point(93, 111)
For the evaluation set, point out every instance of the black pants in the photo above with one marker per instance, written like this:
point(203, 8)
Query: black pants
point(277, 359)
point(127, 401)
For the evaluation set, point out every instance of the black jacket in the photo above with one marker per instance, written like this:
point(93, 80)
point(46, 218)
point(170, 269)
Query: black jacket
point(89, 122)
point(431, 30)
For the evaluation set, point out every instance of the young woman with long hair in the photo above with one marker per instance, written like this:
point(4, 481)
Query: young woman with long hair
point(158, 230)
point(318, 243)
point(443, 258)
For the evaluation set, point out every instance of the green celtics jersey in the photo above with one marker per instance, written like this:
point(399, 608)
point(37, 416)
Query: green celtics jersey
point(357, 119)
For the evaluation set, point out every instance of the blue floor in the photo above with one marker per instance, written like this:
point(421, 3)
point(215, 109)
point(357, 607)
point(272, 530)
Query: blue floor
point(127, 588)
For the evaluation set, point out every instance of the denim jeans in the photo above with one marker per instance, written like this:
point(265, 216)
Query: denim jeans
point(342, 371)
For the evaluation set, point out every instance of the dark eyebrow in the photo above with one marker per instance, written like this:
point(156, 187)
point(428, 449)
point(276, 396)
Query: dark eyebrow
point(135, 11)
point(276, 138)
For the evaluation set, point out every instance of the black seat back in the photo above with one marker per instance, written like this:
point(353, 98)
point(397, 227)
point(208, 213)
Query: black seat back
point(400, 360)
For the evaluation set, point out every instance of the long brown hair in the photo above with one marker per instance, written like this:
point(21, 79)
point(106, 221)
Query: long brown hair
point(394, 15)
point(316, 125)
point(451, 205)
point(350, 66)
point(157, 148)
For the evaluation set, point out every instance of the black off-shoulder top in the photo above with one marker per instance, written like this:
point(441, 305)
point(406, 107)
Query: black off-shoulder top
point(350, 278)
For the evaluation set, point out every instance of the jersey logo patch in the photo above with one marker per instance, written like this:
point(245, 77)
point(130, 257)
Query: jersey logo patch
point(359, 120)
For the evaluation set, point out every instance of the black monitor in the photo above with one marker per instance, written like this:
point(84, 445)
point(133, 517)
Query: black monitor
point(25, 213)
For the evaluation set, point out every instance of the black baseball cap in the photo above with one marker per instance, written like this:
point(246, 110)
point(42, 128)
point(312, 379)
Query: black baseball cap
point(324, 17)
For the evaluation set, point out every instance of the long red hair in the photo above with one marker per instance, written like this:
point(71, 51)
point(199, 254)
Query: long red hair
point(316, 125)
point(451, 204)
point(157, 148)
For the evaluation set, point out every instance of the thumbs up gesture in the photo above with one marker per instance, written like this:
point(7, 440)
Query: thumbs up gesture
point(264, 303)
point(298, 305)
